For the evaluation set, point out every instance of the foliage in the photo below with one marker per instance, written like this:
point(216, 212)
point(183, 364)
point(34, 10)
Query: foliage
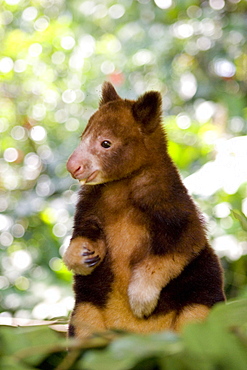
point(219, 342)
point(54, 56)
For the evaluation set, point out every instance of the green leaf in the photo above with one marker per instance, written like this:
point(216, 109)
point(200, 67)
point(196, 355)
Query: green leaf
point(215, 342)
point(10, 363)
point(30, 345)
point(241, 218)
point(127, 352)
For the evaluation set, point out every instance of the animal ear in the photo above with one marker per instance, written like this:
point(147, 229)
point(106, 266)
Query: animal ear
point(147, 110)
point(108, 94)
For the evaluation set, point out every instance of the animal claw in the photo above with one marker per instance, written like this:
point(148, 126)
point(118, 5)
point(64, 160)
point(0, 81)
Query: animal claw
point(92, 261)
point(84, 254)
point(93, 264)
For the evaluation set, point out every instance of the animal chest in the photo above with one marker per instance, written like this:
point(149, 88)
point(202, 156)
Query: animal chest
point(126, 234)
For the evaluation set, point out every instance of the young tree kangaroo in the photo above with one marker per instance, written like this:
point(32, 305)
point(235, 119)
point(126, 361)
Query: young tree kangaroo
point(139, 251)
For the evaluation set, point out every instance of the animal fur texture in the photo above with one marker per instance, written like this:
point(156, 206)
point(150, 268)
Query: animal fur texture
point(139, 251)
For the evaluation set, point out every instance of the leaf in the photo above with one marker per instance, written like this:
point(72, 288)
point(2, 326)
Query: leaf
point(232, 313)
point(214, 342)
point(241, 218)
point(31, 344)
point(10, 363)
point(128, 351)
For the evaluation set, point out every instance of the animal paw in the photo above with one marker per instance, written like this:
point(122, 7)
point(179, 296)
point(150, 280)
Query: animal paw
point(143, 299)
point(89, 259)
point(81, 256)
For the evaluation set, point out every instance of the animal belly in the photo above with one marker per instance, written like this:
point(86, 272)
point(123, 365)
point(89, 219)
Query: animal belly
point(128, 241)
point(118, 315)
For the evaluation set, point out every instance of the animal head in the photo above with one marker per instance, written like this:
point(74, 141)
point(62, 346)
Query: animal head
point(119, 138)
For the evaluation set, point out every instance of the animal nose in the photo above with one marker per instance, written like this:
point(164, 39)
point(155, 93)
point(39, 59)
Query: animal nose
point(78, 170)
point(73, 167)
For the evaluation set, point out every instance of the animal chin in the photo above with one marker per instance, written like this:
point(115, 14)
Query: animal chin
point(90, 179)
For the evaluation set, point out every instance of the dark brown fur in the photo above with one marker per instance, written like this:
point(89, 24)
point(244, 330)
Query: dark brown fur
point(139, 251)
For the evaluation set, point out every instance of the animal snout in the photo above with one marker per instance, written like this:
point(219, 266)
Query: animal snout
point(74, 167)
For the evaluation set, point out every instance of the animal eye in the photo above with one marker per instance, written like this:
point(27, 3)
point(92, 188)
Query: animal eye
point(106, 144)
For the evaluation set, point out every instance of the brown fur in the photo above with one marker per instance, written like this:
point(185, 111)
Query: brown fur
point(139, 250)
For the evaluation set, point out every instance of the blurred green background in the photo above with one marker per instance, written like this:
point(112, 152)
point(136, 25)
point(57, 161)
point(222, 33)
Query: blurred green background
point(54, 57)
